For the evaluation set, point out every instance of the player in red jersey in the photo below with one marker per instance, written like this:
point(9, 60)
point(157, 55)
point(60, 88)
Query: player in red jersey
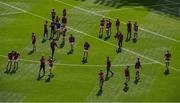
point(102, 23)
point(86, 48)
point(110, 25)
point(64, 30)
point(108, 67)
point(16, 61)
point(45, 36)
point(50, 63)
point(107, 30)
point(137, 68)
point(72, 41)
point(167, 60)
point(119, 36)
point(101, 80)
point(34, 41)
point(64, 13)
point(42, 66)
point(64, 21)
point(57, 19)
point(135, 31)
point(53, 14)
point(129, 30)
point(127, 76)
point(53, 29)
point(10, 60)
point(117, 25)
point(53, 45)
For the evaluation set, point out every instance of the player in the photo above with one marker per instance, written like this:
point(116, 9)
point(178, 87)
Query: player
point(127, 76)
point(53, 14)
point(120, 41)
point(16, 60)
point(34, 41)
point(72, 41)
point(110, 25)
point(57, 19)
point(167, 59)
point(45, 36)
point(42, 66)
point(137, 68)
point(53, 24)
point(102, 23)
point(64, 30)
point(64, 12)
point(135, 31)
point(107, 29)
point(53, 45)
point(101, 80)
point(129, 27)
point(64, 21)
point(108, 67)
point(50, 62)
point(10, 59)
point(58, 27)
point(117, 25)
point(86, 48)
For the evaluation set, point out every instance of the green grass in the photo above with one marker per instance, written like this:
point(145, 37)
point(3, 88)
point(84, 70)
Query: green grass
point(80, 83)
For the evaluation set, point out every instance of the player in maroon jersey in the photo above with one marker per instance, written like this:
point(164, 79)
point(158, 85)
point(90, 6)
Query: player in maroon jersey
point(53, 45)
point(167, 60)
point(129, 30)
point(117, 25)
point(108, 67)
point(137, 68)
point(57, 19)
point(64, 21)
point(42, 66)
point(72, 41)
point(101, 80)
point(34, 41)
point(53, 29)
point(45, 36)
point(53, 14)
point(135, 31)
point(120, 41)
point(102, 23)
point(107, 29)
point(16, 60)
point(86, 48)
point(64, 13)
point(127, 75)
point(64, 30)
point(10, 60)
point(110, 25)
point(50, 63)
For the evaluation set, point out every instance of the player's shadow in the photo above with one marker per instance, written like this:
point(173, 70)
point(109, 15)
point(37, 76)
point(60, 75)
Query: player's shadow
point(99, 93)
point(134, 40)
point(106, 38)
point(31, 52)
point(40, 77)
point(136, 81)
point(48, 79)
point(166, 72)
point(69, 52)
point(126, 88)
point(62, 45)
point(43, 41)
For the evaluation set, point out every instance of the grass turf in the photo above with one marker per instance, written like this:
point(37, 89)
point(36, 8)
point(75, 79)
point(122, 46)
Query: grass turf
point(81, 83)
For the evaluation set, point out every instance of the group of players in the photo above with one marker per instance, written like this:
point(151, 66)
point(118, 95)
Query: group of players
point(59, 30)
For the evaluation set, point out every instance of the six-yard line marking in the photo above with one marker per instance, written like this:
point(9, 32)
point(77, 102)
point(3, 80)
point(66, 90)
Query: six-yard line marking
point(97, 14)
point(135, 7)
point(82, 65)
point(132, 52)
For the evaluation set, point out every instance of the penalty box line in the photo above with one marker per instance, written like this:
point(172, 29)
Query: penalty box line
point(100, 15)
point(132, 52)
point(81, 65)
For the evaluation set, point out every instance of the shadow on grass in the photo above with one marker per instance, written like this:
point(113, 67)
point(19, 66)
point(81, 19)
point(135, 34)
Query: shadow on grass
point(99, 93)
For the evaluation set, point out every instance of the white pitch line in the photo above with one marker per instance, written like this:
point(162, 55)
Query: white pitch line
point(97, 14)
point(135, 7)
point(10, 13)
point(81, 65)
point(132, 52)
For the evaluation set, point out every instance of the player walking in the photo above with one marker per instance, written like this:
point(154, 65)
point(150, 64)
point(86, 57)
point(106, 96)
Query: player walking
point(72, 41)
point(135, 31)
point(53, 14)
point(34, 41)
point(10, 59)
point(127, 76)
point(108, 67)
point(107, 29)
point(101, 80)
point(137, 68)
point(129, 27)
point(167, 59)
point(64, 13)
point(50, 62)
point(86, 48)
point(110, 25)
point(120, 41)
point(53, 24)
point(53, 45)
point(64, 30)
point(45, 36)
point(42, 66)
point(117, 25)
point(64, 21)
point(16, 60)
point(102, 22)
point(58, 27)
